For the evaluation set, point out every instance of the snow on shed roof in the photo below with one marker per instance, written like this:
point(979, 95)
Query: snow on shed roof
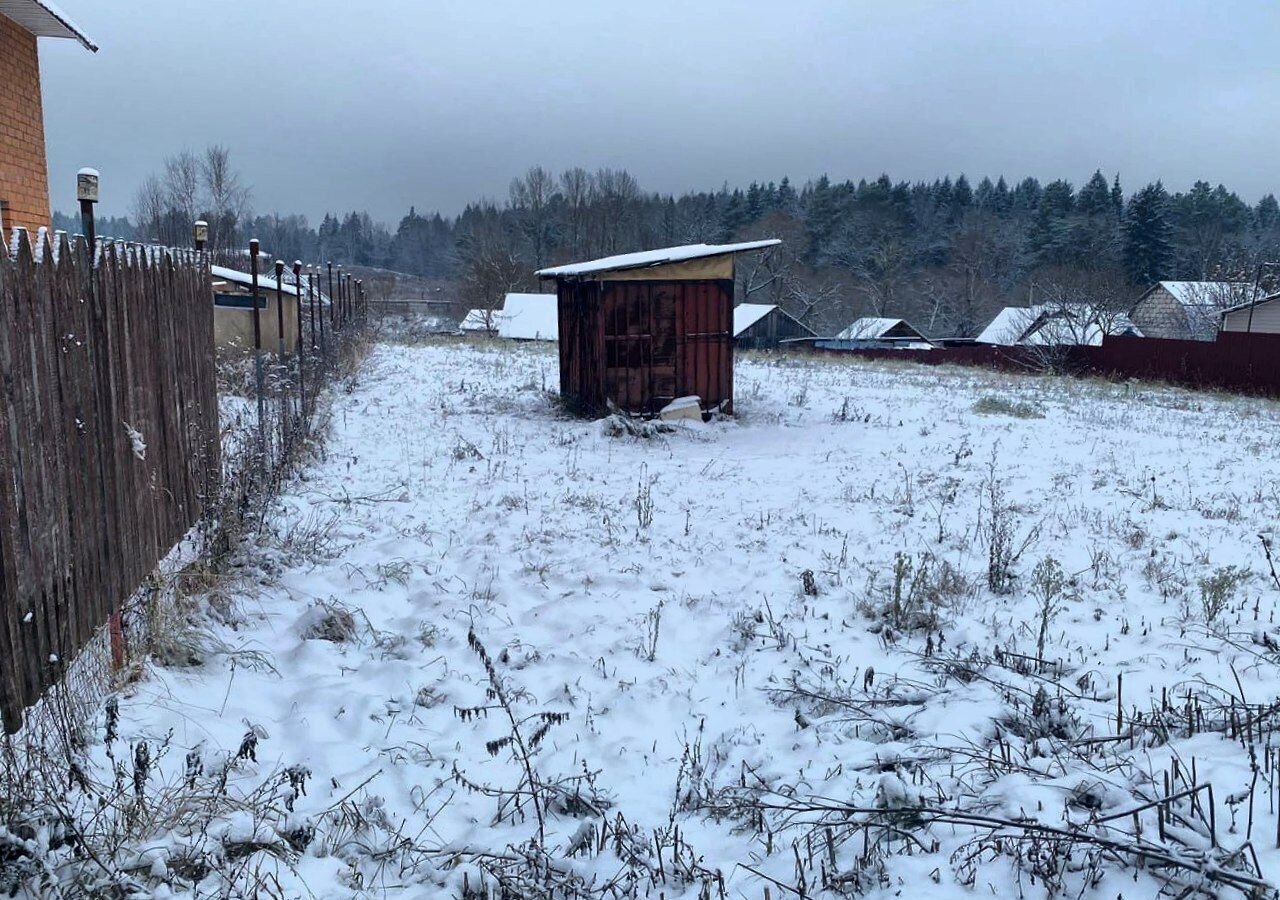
point(43, 18)
point(530, 317)
point(648, 258)
point(747, 314)
point(265, 283)
point(872, 327)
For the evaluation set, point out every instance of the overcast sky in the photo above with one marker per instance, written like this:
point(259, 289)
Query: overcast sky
point(331, 105)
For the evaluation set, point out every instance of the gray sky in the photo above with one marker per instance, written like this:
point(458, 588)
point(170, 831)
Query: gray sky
point(332, 105)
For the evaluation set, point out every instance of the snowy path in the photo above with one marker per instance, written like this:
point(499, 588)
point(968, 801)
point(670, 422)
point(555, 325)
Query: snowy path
point(454, 497)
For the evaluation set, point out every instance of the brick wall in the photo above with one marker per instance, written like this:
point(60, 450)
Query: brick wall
point(1160, 315)
point(24, 179)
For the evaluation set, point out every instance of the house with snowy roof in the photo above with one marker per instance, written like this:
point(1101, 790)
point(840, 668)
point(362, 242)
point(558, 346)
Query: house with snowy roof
point(1187, 310)
point(1056, 324)
point(529, 317)
point(24, 174)
point(760, 325)
point(880, 331)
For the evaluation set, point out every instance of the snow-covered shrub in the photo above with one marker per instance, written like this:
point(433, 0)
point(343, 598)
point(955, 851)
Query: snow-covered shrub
point(328, 620)
point(1218, 591)
point(1048, 587)
point(992, 405)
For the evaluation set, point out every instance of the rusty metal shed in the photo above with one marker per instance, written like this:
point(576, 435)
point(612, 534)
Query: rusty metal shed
point(641, 329)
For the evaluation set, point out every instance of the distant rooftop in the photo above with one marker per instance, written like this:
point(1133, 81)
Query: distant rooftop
point(649, 258)
point(1206, 293)
point(747, 314)
point(43, 18)
point(529, 317)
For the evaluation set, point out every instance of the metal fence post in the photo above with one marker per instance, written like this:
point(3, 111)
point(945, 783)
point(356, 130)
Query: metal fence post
point(342, 298)
point(280, 310)
point(282, 360)
point(320, 311)
point(257, 350)
point(332, 299)
point(297, 350)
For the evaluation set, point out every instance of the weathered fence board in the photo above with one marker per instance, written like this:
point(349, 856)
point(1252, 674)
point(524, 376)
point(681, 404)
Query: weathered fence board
point(108, 446)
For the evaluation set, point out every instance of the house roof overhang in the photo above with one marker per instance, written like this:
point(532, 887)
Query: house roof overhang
point(43, 18)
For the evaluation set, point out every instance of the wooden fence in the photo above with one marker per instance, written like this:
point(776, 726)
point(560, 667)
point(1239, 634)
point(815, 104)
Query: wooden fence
point(109, 445)
point(1236, 361)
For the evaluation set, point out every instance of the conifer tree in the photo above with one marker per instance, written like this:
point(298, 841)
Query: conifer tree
point(1148, 250)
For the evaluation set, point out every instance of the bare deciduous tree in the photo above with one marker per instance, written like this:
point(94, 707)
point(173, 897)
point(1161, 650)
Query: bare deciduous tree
point(190, 187)
point(489, 265)
point(531, 199)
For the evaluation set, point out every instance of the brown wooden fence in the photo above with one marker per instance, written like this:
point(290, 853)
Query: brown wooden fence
point(1236, 361)
point(109, 444)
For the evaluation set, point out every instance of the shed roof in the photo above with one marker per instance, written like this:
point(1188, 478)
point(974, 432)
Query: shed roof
point(265, 284)
point(649, 258)
point(530, 317)
point(43, 18)
point(873, 327)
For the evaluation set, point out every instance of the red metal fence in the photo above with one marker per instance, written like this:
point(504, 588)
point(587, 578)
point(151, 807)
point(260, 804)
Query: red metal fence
point(1237, 362)
point(109, 443)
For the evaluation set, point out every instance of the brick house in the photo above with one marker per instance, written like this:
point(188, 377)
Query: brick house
point(24, 177)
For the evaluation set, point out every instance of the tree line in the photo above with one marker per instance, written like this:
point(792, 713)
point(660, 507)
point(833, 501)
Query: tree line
point(944, 254)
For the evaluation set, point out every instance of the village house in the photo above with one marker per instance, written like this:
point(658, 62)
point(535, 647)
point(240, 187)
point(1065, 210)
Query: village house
point(879, 332)
point(1187, 310)
point(1058, 325)
point(1260, 317)
point(24, 176)
point(761, 325)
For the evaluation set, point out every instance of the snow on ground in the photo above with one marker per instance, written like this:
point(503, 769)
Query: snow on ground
point(735, 617)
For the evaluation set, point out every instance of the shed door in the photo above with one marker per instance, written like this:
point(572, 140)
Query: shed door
point(628, 345)
point(640, 345)
point(704, 333)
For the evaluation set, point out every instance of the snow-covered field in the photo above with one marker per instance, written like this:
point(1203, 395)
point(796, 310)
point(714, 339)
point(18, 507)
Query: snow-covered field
point(760, 653)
